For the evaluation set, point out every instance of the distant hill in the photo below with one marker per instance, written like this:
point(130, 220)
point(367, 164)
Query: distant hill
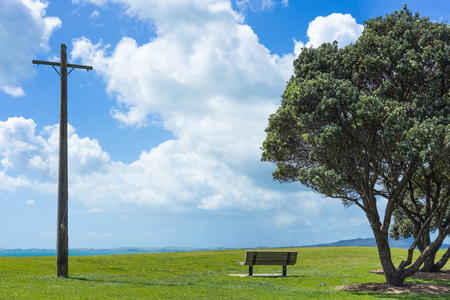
point(370, 242)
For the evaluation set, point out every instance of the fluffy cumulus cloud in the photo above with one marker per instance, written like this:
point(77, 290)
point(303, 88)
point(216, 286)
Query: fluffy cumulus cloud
point(213, 85)
point(163, 179)
point(32, 157)
point(335, 27)
point(195, 67)
point(19, 40)
point(21, 150)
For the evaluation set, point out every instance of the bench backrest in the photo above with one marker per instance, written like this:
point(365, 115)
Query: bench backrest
point(285, 258)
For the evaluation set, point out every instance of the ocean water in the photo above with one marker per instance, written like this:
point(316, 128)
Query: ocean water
point(27, 253)
point(45, 252)
point(112, 251)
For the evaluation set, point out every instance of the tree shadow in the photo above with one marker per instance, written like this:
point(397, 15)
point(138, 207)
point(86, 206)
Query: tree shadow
point(157, 282)
point(412, 289)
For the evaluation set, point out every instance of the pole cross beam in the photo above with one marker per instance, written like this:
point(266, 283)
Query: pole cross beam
point(42, 62)
point(62, 241)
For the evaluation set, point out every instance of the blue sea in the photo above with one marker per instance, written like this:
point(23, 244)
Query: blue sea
point(88, 251)
point(27, 253)
point(49, 252)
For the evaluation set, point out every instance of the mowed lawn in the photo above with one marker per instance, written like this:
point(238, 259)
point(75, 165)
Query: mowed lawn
point(196, 275)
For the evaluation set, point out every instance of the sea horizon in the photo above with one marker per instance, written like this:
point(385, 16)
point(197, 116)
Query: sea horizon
point(37, 252)
point(358, 242)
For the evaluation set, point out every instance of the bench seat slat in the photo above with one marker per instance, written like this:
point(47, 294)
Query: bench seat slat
point(271, 263)
point(270, 258)
point(264, 257)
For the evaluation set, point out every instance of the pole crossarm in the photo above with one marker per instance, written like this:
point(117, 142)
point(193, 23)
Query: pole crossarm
point(49, 63)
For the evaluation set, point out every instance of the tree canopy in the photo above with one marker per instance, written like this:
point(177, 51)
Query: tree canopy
point(369, 120)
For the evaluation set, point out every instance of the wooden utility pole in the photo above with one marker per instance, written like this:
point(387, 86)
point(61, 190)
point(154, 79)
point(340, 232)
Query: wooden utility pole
point(62, 240)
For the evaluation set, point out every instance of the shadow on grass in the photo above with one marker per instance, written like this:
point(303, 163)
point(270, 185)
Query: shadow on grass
point(402, 296)
point(430, 289)
point(160, 282)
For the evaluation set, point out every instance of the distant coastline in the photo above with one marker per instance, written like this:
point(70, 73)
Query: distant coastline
point(360, 242)
point(90, 251)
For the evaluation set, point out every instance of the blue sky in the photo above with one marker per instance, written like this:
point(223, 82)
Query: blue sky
point(165, 132)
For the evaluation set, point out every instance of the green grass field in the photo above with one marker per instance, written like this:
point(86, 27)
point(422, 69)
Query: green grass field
point(195, 275)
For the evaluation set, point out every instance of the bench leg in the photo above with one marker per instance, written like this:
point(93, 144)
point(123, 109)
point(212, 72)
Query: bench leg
point(250, 270)
point(284, 270)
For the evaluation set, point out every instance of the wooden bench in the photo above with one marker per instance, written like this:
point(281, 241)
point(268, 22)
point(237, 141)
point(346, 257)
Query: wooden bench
point(269, 258)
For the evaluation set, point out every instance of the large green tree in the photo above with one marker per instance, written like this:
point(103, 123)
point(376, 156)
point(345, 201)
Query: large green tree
point(363, 122)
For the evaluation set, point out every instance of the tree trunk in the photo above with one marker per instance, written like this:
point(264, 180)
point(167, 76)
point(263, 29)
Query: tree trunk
point(441, 263)
point(393, 277)
point(428, 265)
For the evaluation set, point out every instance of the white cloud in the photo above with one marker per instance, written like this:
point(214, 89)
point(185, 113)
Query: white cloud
point(259, 4)
point(335, 27)
point(255, 4)
point(18, 144)
point(164, 178)
point(95, 2)
point(9, 183)
point(35, 155)
point(188, 68)
point(298, 46)
point(94, 15)
point(86, 155)
point(19, 40)
point(14, 91)
point(30, 202)
point(212, 84)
